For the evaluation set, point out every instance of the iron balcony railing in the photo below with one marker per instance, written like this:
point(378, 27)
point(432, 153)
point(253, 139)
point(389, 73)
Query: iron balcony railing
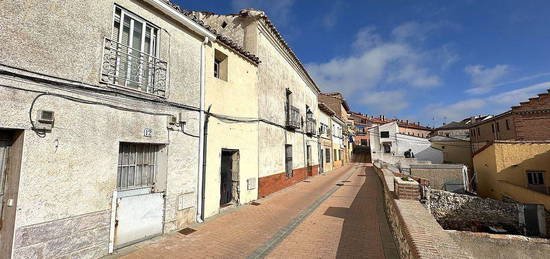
point(131, 68)
point(292, 117)
point(311, 126)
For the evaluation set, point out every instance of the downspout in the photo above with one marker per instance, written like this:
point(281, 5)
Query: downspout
point(202, 138)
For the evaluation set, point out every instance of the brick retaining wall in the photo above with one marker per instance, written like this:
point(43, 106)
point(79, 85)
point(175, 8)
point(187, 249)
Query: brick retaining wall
point(415, 231)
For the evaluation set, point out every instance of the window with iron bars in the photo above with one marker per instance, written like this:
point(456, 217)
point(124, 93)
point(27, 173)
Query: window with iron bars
point(137, 165)
point(130, 58)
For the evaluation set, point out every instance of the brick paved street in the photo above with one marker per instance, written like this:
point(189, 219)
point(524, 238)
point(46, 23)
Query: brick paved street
point(318, 218)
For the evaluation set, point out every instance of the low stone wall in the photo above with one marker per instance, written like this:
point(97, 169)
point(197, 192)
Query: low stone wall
point(84, 236)
point(415, 231)
point(484, 245)
point(472, 213)
point(439, 174)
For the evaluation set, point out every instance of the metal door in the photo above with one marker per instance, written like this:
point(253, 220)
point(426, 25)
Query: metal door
point(139, 216)
point(531, 219)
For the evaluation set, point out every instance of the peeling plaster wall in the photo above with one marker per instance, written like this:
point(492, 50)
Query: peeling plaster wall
point(275, 76)
point(236, 97)
point(72, 171)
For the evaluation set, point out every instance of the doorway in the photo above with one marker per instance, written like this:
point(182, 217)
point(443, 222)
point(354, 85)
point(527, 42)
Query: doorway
point(308, 160)
point(11, 147)
point(229, 178)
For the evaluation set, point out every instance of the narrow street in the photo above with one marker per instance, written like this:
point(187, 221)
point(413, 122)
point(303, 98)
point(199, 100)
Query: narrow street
point(336, 215)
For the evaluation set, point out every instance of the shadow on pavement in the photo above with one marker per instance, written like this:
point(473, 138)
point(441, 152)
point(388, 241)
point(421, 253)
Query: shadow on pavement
point(365, 232)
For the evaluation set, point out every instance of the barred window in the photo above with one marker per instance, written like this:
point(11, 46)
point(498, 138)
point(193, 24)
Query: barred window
point(137, 165)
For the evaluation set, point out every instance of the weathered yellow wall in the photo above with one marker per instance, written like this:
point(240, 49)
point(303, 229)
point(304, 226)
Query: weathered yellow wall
point(502, 171)
point(486, 169)
point(235, 97)
point(456, 152)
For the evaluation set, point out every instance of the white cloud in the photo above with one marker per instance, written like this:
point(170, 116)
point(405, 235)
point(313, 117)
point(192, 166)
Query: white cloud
point(456, 111)
point(278, 10)
point(494, 103)
point(484, 78)
point(514, 97)
point(388, 101)
point(374, 61)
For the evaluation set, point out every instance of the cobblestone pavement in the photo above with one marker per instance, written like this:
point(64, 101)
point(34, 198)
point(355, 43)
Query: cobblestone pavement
point(336, 215)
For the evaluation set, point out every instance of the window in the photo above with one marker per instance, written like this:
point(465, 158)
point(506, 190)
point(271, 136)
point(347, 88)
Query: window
point(478, 132)
point(507, 125)
point(387, 147)
point(137, 165)
point(220, 65)
point(384, 134)
point(493, 128)
point(288, 160)
point(498, 126)
point(446, 134)
point(364, 142)
point(327, 154)
point(535, 177)
point(131, 57)
point(340, 154)
point(336, 158)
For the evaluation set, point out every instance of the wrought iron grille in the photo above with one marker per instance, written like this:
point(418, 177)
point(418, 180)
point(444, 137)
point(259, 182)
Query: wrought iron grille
point(137, 165)
point(311, 126)
point(293, 117)
point(131, 68)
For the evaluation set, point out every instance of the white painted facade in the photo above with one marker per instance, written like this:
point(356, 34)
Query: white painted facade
point(388, 145)
point(51, 58)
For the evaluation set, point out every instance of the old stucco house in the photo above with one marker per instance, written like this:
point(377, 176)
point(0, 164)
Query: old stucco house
point(100, 135)
point(231, 164)
point(287, 100)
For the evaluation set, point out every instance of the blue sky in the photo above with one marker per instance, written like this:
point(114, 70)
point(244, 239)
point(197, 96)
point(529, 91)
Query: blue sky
point(428, 61)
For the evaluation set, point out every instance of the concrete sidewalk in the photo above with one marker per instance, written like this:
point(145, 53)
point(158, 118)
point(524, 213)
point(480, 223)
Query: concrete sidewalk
point(282, 219)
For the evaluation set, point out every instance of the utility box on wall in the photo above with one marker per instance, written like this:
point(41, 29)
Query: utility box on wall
point(251, 183)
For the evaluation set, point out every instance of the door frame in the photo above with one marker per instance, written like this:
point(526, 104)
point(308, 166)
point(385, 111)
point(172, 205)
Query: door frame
point(12, 175)
point(234, 155)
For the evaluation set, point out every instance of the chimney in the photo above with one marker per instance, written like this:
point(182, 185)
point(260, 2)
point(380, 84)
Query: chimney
point(383, 117)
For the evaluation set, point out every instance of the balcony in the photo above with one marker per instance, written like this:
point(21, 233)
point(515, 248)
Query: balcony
point(133, 69)
point(292, 117)
point(311, 126)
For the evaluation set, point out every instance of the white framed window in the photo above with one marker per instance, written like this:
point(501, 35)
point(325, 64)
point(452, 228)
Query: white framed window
point(131, 56)
point(137, 165)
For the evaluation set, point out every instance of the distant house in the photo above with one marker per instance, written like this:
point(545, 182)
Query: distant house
point(514, 170)
point(455, 150)
point(413, 129)
point(389, 145)
point(528, 121)
point(458, 129)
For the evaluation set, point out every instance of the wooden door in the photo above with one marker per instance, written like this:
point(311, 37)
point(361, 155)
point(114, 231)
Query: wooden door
point(11, 147)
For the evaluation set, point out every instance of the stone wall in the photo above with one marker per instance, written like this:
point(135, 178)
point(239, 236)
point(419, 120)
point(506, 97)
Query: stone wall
point(84, 236)
point(484, 245)
point(472, 213)
point(415, 231)
point(439, 175)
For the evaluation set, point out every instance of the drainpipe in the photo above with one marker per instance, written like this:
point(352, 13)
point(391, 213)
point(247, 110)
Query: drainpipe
point(202, 139)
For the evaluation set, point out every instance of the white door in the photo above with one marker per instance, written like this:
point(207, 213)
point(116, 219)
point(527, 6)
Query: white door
point(138, 217)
